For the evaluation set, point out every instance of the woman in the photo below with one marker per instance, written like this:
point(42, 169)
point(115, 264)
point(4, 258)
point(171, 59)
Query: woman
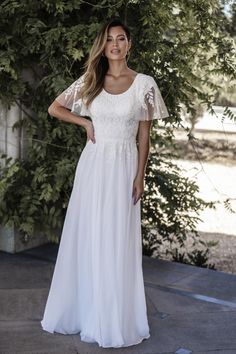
point(97, 288)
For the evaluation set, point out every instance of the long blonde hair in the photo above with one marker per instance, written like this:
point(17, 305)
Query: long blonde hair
point(97, 65)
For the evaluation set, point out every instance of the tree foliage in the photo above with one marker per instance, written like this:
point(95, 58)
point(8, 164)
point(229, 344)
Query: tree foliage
point(44, 44)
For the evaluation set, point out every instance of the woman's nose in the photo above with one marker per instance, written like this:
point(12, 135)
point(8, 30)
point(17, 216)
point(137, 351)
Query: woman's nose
point(115, 42)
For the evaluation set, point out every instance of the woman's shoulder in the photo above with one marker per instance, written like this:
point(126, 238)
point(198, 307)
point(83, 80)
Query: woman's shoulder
point(144, 75)
point(146, 80)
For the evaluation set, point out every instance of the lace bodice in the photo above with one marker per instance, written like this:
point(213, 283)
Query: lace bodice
point(117, 116)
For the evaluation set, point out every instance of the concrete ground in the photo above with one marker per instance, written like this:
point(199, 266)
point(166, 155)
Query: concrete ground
point(190, 309)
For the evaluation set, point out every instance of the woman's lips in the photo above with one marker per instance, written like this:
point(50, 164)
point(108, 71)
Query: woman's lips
point(115, 51)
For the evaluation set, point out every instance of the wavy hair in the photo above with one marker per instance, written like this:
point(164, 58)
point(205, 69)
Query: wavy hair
point(96, 66)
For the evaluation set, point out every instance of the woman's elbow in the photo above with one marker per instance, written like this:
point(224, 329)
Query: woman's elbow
point(52, 109)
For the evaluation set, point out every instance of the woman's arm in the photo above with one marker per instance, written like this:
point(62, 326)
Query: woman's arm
point(143, 147)
point(143, 153)
point(58, 111)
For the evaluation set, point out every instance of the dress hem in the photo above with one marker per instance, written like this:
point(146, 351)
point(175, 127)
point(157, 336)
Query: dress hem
point(97, 341)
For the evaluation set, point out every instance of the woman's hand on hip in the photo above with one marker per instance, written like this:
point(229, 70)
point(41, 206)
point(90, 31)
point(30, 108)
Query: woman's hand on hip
point(90, 131)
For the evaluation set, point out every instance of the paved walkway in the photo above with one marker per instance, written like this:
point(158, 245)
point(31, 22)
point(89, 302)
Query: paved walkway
point(190, 309)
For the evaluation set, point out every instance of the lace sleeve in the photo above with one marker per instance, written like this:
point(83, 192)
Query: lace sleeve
point(152, 103)
point(70, 98)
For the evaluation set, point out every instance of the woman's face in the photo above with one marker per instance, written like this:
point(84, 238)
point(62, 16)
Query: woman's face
point(117, 44)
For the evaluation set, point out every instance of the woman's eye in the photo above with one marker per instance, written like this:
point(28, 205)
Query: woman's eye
point(109, 39)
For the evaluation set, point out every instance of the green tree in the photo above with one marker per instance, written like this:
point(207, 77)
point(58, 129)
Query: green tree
point(226, 96)
point(43, 47)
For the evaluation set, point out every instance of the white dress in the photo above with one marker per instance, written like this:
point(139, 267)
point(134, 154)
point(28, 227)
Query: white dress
point(97, 288)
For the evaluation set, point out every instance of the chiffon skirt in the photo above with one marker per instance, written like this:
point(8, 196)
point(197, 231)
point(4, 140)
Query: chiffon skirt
point(97, 288)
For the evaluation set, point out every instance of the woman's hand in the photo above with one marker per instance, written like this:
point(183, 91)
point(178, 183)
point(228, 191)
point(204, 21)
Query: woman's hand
point(138, 188)
point(90, 131)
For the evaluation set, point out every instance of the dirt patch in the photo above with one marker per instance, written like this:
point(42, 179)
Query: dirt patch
point(222, 255)
point(219, 150)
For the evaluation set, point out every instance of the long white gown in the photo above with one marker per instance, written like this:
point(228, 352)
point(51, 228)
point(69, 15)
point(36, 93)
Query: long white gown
point(97, 287)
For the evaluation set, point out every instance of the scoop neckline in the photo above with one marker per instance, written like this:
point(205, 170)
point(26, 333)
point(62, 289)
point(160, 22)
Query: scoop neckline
point(119, 94)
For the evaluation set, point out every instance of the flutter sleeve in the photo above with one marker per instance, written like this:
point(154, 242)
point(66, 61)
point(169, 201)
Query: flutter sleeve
point(152, 105)
point(70, 98)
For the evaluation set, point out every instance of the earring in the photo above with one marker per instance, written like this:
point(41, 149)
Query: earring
point(103, 55)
